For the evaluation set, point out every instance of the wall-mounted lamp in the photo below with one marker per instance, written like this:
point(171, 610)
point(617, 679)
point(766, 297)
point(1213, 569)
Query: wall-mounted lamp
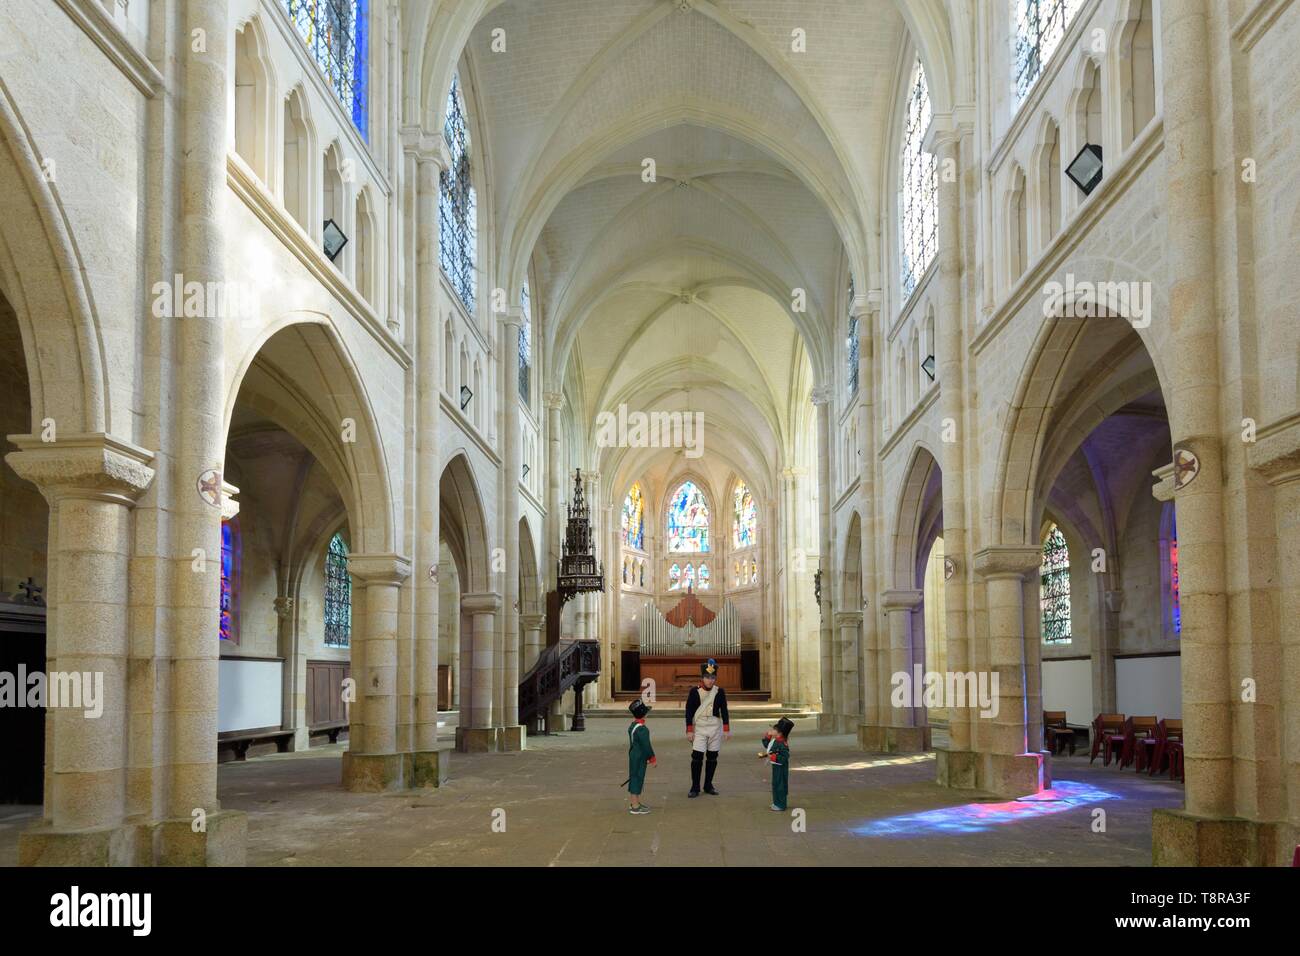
point(465, 396)
point(334, 239)
point(1085, 169)
point(927, 366)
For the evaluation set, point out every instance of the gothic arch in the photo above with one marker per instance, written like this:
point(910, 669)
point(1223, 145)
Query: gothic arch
point(921, 491)
point(464, 523)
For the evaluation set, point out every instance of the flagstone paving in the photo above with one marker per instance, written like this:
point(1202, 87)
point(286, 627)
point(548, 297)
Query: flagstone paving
point(559, 803)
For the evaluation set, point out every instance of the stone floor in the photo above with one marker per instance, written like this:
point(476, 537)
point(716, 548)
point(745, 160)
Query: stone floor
point(561, 805)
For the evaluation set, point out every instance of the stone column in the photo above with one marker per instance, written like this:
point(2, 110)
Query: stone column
point(373, 760)
point(866, 308)
point(1194, 413)
point(196, 447)
point(848, 625)
point(481, 732)
point(904, 729)
point(554, 401)
point(91, 483)
point(829, 706)
point(791, 692)
point(429, 154)
point(955, 765)
point(533, 640)
point(512, 735)
point(1013, 766)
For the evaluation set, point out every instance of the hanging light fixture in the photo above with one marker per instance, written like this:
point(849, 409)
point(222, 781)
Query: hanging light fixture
point(927, 366)
point(1085, 169)
point(335, 240)
point(465, 395)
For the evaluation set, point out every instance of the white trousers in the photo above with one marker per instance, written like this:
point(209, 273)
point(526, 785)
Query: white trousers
point(708, 737)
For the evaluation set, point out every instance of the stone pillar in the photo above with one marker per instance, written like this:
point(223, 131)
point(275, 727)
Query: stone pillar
point(196, 446)
point(374, 760)
point(480, 734)
point(533, 640)
point(902, 728)
point(792, 690)
point(512, 735)
point(829, 706)
point(866, 308)
point(554, 401)
point(429, 154)
point(91, 483)
point(1189, 836)
point(1013, 766)
point(955, 766)
point(848, 625)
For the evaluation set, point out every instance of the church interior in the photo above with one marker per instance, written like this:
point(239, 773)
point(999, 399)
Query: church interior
point(397, 392)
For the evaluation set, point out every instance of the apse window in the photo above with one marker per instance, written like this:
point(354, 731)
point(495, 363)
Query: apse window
point(337, 36)
point(688, 519)
point(918, 204)
point(229, 600)
point(1054, 588)
point(1039, 26)
point(457, 202)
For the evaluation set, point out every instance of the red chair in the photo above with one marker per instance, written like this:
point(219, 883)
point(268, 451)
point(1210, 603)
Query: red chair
point(1168, 748)
point(1139, 733)
point(1107, 737)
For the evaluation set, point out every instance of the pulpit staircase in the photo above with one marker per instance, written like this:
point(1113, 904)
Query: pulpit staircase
point(568, 665)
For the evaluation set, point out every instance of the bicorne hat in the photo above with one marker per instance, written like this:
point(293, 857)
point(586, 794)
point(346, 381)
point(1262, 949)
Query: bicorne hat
point(709, 669)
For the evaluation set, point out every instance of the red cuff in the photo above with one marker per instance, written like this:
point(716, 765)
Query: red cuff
point(690, 728)
point(772, 757)
point(726, 728)
point(651, 760)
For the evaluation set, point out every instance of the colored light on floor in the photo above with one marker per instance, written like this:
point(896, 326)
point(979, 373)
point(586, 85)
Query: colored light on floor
point(980, 817)
point(865, 764)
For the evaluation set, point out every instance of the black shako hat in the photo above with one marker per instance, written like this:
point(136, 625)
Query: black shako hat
point(709, 669)
point(784, 726)
point(638, 708)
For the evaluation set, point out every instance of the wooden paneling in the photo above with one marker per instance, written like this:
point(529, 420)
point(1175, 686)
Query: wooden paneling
point(675, 676)
point(325, 692)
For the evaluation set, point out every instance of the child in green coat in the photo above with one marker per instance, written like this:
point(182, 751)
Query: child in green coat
point(639, 755)
point(776, 750)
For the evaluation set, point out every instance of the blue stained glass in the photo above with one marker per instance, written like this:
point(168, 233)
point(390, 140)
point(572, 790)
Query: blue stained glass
point(688, 519)
point(457, 202)
point(337, 35)
point(229, 564)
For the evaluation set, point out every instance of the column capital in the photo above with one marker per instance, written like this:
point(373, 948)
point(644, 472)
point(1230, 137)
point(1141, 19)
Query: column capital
point(1275, 453)
point(821, 395)
point(553, 400)
point(865, 303)
point(1007, 561)
point(424, 146)
point(512, 316)
point(1163, 489)
point(386, 568)
point(483, 602)
point(847, 618)
point(93, 465)
point(947, 129)
point(901, 599)
point(533, 622)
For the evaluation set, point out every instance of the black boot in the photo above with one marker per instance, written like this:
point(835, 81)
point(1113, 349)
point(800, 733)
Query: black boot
point(709, 768)
point(697, 760)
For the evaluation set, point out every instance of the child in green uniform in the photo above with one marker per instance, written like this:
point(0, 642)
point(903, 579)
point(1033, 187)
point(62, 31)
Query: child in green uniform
point(639, 754)
point(777, 752)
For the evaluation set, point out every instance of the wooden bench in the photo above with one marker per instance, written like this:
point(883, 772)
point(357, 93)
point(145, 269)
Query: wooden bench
point(332, 729)
point(238, 741)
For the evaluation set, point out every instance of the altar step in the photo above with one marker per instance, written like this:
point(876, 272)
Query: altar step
point(740, 710)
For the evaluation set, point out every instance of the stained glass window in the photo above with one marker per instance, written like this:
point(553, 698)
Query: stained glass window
point(1173, 586)
point(736, 574)
point(851, 346)
point(634, 518)
point(229, 582)
point(745, 517)
point(337, 36)
point(918, 209)
point(688, 519)
point(704, 577)
point(1054, 590)
point(457, 202)
point(642, 574)
point(674, 577)
point(1040, 26)
point(526, 345)
point(688, 577)
point(753, 571)
point(625, 564)
point(338, 594)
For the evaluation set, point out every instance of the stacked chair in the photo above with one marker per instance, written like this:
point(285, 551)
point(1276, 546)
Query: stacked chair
point(1145, 743)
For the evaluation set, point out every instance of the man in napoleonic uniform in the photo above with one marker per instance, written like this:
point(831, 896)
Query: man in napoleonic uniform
point(707, 723)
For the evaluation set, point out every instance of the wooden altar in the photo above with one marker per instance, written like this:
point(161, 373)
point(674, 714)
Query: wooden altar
point(674, 676)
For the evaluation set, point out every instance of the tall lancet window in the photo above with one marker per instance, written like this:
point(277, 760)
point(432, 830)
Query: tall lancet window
point(338, 594)
point(336, 33)
point(633, 518)
point(525, 345)
point(851, 346)
point(1039, 26)
point(229, 601)
point(457, 202)
point(688, 519)
point(918, 201)
point(1054, 588)
point(745, 518)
